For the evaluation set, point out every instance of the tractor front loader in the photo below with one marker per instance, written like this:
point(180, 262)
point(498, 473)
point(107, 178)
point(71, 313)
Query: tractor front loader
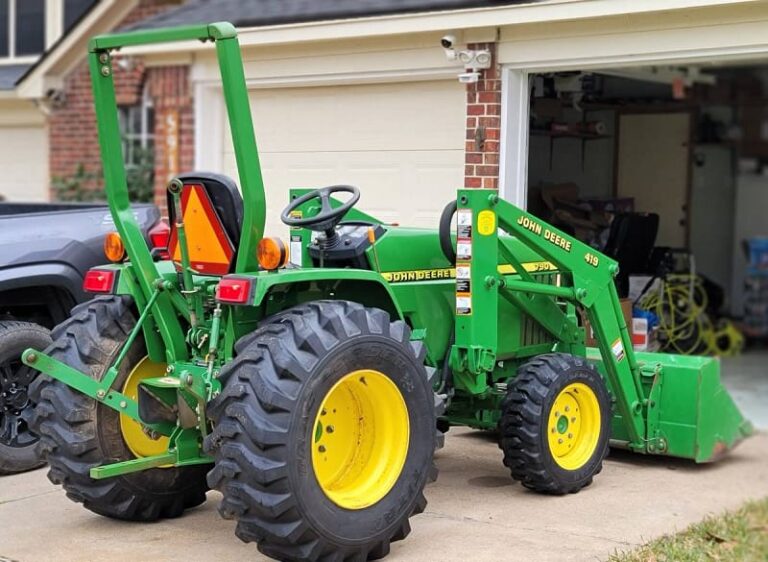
point(313, 393)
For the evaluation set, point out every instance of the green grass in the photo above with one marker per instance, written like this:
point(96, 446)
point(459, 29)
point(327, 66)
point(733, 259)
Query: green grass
point(739, 536)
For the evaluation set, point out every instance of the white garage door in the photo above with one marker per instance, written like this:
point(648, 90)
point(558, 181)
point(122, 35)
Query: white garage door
point(401, 144)
point(24, 163)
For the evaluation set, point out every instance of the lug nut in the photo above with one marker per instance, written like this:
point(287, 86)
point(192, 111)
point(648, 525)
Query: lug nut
point(570, 436)
point(560, 441)
point(329, 429)
point(321, 448)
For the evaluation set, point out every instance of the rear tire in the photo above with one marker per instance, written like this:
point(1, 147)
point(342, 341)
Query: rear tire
point(77, 433)
point(18, 444)
point(555, 424)
point(270, 431)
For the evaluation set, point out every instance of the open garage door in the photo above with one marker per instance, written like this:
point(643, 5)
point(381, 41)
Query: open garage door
point(401, 144)
point(24, 163)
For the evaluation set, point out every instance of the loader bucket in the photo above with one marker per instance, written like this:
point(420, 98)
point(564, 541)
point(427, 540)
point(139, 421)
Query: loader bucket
point(688, 413)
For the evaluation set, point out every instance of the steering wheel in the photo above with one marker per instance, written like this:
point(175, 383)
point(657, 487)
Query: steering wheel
point(328, 217)
point(446, 243)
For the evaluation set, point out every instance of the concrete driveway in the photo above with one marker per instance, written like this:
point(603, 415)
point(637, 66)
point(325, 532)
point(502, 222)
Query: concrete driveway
point(475, 512)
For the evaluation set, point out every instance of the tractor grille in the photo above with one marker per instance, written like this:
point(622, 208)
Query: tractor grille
point(532, 333)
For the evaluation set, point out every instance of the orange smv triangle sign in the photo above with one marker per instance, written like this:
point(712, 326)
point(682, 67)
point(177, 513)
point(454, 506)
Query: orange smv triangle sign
point(210, 249)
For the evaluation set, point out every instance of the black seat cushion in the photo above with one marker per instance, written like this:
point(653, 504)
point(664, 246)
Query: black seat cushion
point(225, 197)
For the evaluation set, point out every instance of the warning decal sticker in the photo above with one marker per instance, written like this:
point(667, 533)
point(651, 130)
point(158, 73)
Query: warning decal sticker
point(463, 304)
point(617, 348)
point(486, 222)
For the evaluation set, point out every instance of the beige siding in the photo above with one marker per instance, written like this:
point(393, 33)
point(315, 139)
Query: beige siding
point(24, 163)
point(401, 143)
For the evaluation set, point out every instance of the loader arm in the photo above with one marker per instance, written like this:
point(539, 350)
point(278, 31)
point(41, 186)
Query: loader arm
point(590, 286)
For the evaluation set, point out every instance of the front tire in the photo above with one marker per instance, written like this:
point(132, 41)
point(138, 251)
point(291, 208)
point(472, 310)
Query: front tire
point(77, 433)
point(18, 444)
point(555, 424)
point(324, 433)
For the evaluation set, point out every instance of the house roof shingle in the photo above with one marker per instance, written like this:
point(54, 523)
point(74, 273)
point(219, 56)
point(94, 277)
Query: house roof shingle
point(10, 74)
point(256, 13)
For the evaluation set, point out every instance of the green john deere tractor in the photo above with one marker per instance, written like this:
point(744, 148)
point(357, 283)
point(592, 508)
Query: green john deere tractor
point(313, 393)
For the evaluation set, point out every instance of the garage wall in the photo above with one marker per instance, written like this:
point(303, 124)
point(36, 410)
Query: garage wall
point(23, 152)
point(401, 144)
point(734, 32)
point(385, 114)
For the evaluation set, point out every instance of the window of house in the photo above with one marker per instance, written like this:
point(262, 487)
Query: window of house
point(137, 123)
point(22, 28)
point(74, 9)
point(4, 28)
point(30, 27)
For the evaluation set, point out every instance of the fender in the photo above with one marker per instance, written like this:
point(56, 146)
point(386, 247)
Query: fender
point(50, 274)
point(366, 287)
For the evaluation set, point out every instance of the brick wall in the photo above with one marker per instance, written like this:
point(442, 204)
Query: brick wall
point(72, 124)
point(169, 88)
point(481, 167)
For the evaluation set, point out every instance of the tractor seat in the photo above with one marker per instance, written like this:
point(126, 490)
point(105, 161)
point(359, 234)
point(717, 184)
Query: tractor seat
point(213, 219)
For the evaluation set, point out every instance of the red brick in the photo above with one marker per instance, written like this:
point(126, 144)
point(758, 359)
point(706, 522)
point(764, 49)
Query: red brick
point(488, 97)
point(473, 158)
point(487, 170)
point(484, 107)
point(489, 121)
point(475, 109)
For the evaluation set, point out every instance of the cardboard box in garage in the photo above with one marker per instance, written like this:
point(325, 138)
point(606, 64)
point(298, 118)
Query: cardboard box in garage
point(626, 309)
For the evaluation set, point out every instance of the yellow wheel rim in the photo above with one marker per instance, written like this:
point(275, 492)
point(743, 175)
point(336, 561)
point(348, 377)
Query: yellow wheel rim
point(360, 439)
point(573, 426)
point(134, 436)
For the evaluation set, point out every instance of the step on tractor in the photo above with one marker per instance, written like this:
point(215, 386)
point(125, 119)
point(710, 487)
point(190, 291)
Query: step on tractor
point(310, 381)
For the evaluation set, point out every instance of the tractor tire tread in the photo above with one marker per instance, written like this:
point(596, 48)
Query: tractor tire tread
point(252, 415)
point(66, 419)
point(519, 427)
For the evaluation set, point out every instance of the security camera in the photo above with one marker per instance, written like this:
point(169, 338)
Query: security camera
point(447, 42)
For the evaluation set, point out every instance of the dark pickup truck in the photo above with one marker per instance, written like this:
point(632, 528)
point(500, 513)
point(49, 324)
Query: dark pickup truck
point(45, 250)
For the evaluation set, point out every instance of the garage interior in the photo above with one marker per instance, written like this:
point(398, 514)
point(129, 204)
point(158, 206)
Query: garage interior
point(664, 169)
